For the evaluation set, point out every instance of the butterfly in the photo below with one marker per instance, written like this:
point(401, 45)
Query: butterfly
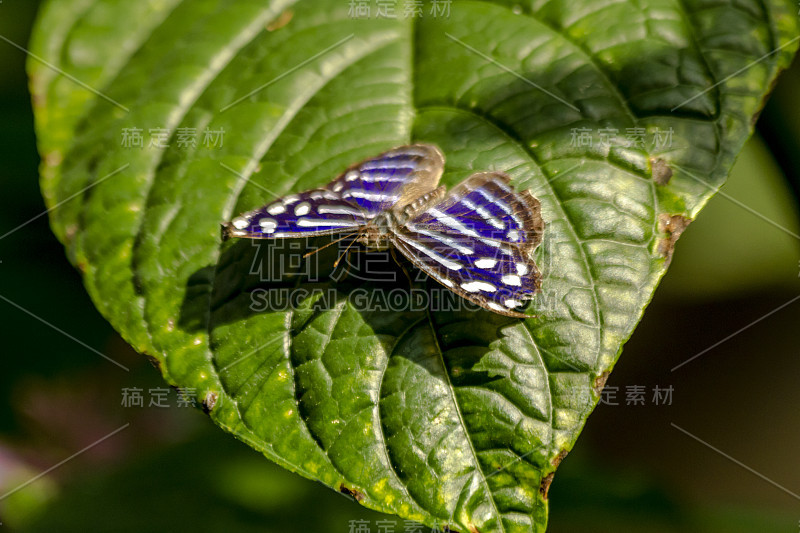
point(476, 240)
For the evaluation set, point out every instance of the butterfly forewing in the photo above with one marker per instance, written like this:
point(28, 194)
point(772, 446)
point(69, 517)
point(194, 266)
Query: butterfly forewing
point(392, 179)
point(315, 212)
point(477, 242)
point(350, 201)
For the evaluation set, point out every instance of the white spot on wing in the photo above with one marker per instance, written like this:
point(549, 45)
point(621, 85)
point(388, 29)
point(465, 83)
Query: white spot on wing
point(512, 303)
point(276, 209)
point(485, 262)
point(302, 209)
point(351, 176)
point(338, 186)
point(239, 222)
point(375, 197)
point(388, 179)
point(311, 222)
point(475, 286)
point(382, 165)
point(522, 269)
point(289, 200)
point(495, 306)
point(511, 279)
point(513, 235)
point(268, 225)
point(338, 210)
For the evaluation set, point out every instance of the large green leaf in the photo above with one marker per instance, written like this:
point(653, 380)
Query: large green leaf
point(453, 418)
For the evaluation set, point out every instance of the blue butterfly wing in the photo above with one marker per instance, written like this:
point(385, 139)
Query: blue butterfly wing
point(478, 242)
point(394, 178)
point(489, 206)
point(310, 213)
point(358, 195)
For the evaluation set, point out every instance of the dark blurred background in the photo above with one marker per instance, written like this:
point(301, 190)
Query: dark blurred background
point(709, 446)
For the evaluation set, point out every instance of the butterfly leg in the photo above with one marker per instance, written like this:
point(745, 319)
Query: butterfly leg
point(398, 260)
point(349, 264)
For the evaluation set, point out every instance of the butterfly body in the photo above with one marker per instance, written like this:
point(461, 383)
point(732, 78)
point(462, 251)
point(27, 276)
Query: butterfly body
point(377, 234)
point(475, 240)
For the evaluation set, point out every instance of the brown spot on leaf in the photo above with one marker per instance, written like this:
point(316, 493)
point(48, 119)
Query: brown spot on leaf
point(558, 458)
point(545, 484)
point(282, 20)
point(70, 231)
point(209, 401)
point(672, 226)
point(53, 159)
point(600, 383)
point(155, 362)
point(38, 99)
point(661, 171)
point(353, 493)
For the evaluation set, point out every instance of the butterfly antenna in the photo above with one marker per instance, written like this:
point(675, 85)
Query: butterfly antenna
point(345, 251)
point(312, 252)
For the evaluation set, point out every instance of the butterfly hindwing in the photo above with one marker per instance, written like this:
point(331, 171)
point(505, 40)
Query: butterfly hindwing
point(348, 202)
point(486, 206)
point(478, 241)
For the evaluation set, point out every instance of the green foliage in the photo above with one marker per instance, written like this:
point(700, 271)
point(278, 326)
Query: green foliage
point(453, 418)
